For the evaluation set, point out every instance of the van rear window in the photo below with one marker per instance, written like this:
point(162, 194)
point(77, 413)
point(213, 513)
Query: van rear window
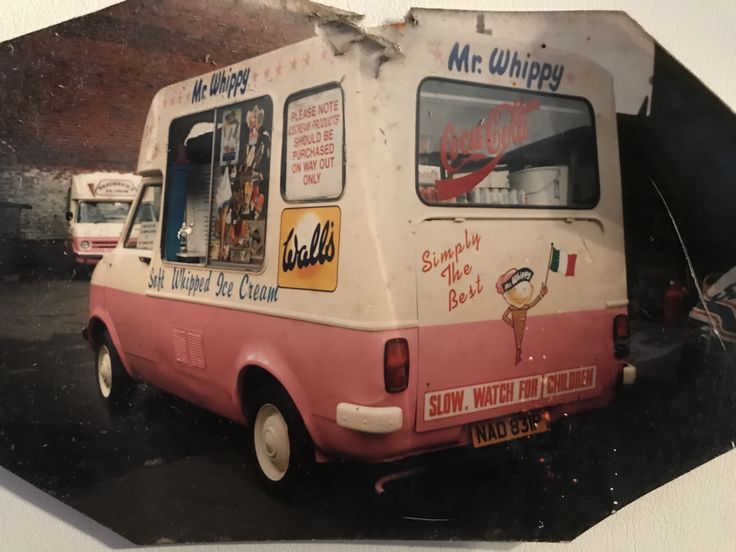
point(480, 145)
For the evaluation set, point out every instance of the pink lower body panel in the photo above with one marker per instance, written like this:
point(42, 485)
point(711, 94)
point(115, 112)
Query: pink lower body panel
point(471, 372)
point(200, 353)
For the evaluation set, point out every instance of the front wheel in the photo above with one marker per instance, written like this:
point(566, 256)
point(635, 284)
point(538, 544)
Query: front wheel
point(281, 446)
point(114, 384)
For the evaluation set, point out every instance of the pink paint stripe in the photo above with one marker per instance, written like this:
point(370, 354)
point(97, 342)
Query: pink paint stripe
point(322, 365)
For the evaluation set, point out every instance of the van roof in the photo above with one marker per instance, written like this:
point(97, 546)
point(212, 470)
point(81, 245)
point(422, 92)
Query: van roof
point(245, 79)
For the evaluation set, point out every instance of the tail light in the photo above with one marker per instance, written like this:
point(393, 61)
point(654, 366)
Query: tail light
point(621, 335)
point(396, 365)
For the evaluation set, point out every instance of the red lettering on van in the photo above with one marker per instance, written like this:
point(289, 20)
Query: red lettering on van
point(434, 405)
point(456, 299)
point(453, 402)
point(505, 126)
point(449, 402)
point(572, 380)
point(490, 395)
point(528, 389)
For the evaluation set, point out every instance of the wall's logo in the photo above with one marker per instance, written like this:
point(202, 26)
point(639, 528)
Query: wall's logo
point(309, 247)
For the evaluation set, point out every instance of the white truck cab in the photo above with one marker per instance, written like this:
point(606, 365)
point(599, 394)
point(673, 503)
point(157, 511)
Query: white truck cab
point(97, 208)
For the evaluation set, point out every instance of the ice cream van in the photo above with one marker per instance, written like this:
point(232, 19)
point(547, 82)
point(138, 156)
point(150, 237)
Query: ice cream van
point(374, 245)
point(97, 209)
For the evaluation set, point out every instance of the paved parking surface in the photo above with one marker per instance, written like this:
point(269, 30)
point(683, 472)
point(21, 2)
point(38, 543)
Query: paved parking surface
point(171, 472)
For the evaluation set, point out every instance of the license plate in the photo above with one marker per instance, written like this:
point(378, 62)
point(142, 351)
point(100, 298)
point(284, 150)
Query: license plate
point(507, 428)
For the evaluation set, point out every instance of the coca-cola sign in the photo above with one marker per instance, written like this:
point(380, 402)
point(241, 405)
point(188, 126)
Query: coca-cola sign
point(504, 126)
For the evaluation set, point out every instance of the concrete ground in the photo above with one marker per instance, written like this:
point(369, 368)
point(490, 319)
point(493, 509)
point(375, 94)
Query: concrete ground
point(171, 472)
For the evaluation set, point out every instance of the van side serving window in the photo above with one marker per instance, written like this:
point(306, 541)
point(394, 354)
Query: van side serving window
point(313, 160)
point(480, 145)
point(142, 231)
point(217, 185)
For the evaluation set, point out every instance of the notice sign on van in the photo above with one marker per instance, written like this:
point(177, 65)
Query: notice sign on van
point(309, 247)
point(313, 166)
point(500, 394)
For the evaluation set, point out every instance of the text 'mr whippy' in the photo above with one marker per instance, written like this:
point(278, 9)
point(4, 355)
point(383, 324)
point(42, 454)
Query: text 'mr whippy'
point(507, 62)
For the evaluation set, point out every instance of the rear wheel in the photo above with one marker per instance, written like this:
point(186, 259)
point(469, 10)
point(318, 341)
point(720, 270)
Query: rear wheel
point(114, 384)
point(281, 446)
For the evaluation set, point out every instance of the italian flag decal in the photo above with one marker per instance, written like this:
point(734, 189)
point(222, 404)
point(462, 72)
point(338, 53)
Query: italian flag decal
point(563, 263)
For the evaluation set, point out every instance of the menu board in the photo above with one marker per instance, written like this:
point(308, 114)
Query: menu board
point(314, 146)
point(146, 235)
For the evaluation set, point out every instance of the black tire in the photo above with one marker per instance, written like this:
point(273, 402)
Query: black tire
point(282, 450)
point(114, 385)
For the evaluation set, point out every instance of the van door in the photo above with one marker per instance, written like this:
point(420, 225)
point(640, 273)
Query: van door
point(213, 234)
point(516, 256)
point(495, 323)
point(129, 278)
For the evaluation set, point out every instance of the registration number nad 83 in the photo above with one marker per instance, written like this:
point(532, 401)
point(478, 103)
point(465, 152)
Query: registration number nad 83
point(507, 428)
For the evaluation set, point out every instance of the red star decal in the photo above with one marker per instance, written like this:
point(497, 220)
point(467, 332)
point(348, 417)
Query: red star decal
point(324, 55)
point(437, 54)
point(279, 67)
point(570, 78)
point(255, 77)
point(306, 59)
point(293, 62)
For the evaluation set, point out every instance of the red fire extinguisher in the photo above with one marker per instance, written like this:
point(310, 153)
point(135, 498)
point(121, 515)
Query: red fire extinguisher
point(674, 304)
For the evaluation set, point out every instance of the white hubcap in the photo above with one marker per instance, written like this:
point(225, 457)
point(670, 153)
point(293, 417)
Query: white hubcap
point(104, 371)
point(271, 437)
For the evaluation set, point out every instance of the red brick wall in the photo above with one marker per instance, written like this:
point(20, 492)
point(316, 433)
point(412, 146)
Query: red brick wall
point(86, 106)
point(75, 96)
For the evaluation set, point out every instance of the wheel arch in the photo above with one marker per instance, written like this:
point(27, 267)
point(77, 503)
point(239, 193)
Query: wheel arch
point(254, 375)
point(95, 328)
point(97, 325)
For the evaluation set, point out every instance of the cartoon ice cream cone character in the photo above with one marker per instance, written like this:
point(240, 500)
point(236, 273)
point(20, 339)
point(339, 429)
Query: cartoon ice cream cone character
point(517, 290)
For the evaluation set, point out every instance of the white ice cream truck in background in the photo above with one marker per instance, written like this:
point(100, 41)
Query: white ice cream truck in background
point(372, 246)
point(97, 208)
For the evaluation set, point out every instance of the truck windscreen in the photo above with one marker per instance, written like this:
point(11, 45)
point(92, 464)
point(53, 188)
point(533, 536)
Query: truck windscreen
point(102, 211)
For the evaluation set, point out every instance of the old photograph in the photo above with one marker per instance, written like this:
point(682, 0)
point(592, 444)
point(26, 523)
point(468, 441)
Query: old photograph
point(268, 274)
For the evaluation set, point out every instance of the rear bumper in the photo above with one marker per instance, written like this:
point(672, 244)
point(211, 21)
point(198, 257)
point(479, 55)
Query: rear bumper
point(88, 259)
point(628, 374)
point(369, 419)
point(389, 446)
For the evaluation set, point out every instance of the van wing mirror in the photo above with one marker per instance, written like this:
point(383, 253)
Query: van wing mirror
point(145, 260)
point(69, 215)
